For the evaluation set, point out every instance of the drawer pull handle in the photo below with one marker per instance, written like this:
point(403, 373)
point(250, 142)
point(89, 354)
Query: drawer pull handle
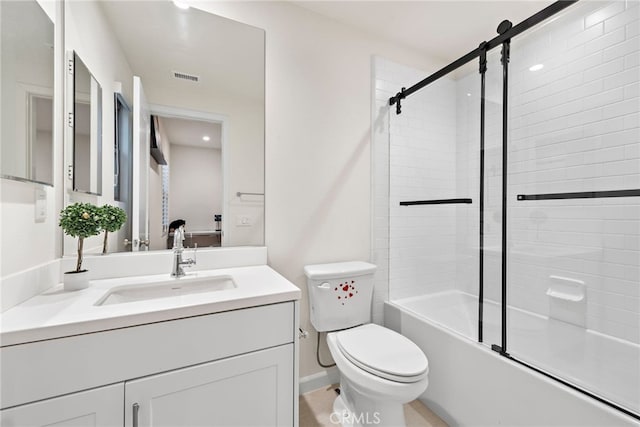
point(136, 408)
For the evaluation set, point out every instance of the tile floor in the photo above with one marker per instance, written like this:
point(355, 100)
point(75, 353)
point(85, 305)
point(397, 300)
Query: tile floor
point(316, 406)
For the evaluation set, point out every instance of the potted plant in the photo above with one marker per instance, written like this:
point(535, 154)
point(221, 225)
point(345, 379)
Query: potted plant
point(79, 220)
point(111, 219)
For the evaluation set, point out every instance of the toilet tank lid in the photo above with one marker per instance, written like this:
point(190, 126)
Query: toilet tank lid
point(338, 269)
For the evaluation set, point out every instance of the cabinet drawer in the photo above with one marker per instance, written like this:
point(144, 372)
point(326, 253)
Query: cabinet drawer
point(46, 369)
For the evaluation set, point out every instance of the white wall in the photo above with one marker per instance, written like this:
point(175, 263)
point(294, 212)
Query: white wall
point(318, 136)
point(196, 186)
point(17, 208)
point(88, 33)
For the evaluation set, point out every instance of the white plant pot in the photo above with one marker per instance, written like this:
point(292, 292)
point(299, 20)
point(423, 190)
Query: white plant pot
point(74, 281)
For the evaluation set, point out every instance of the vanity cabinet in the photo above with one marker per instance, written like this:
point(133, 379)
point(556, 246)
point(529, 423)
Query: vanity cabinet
point(234, 368)
point(249, 390)
point(99, 407)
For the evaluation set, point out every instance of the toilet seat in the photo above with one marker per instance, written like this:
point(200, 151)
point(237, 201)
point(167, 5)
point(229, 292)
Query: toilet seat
point(384, 353)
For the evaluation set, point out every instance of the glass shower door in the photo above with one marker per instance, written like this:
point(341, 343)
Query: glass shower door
point(573, 256)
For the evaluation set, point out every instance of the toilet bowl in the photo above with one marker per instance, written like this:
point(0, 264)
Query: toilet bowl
point(380, 370)
point(373, 391)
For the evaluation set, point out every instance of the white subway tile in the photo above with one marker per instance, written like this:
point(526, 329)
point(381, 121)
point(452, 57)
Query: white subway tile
point(633, 29)
point(608, 39)
point(626, 77)
point(604, 13)
point(586, 35)
point(603, 127)
point(589, 88)
point(621, 19)
point(630, 136)
point(621, 108)
point(621, 49)
point(632, 152)
point(632, 121)
point(603, 98)
point(632, 60)
point(606, 69)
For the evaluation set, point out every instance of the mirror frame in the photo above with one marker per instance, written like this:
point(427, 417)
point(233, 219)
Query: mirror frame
point(95, 110)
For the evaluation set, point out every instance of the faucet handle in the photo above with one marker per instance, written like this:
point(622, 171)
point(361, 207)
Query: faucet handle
point(178, 237)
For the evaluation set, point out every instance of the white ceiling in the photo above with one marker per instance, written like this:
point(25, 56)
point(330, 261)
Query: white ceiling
point(190, 132)
point(158, 38)
point(445, 30)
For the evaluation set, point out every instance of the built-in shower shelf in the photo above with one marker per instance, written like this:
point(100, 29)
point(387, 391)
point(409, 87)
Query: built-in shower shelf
point(566, 288)
point(565, 296)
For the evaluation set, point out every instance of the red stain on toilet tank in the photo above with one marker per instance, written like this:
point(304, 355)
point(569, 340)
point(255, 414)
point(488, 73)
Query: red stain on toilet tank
point(348, 289)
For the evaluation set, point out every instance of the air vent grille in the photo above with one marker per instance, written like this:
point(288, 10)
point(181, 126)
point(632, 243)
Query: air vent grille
point(185, 76)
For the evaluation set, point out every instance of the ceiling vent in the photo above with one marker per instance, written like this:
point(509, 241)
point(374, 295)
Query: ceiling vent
point(185, 76)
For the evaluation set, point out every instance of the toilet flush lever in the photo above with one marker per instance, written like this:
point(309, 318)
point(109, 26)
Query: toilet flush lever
point(324, 285)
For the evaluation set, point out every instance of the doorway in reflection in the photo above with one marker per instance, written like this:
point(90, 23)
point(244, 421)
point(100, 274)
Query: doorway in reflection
point(189, 185)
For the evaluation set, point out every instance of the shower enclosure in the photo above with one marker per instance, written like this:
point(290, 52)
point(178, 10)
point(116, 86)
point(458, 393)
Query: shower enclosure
point(514, 197)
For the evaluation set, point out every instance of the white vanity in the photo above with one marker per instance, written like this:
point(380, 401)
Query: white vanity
point(227, 356)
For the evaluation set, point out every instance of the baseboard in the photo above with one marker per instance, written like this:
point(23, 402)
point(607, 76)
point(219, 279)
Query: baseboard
point(319, 380)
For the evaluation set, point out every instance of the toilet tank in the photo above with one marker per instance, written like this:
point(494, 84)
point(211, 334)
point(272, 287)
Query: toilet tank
point(340, 294)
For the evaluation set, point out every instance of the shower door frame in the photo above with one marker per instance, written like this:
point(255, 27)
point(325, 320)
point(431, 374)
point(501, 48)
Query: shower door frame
point(507, 32)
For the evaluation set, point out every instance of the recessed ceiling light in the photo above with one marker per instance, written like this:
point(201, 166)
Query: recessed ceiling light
point(206, 138)
point(536, 67)
point(180, 4)
point(468, 94)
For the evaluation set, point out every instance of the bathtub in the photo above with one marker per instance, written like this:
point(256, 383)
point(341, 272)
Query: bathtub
point(469, 384)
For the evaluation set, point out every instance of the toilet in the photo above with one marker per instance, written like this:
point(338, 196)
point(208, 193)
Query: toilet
point(380, 370)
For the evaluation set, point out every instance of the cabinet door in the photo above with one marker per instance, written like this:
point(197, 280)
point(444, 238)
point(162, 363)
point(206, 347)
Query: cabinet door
point(101, 407)
point(255, 389)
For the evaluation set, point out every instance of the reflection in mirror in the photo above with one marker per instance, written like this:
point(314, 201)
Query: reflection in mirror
point(87, 130)
point(194, 192)
point(27, 70)
point(195, 66)
point(122, 163)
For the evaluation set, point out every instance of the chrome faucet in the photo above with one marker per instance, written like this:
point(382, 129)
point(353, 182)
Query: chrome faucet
point(178, 248)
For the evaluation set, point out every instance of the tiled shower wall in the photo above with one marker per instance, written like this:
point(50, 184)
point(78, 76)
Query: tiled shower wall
point(573, 127)
point(421, 163)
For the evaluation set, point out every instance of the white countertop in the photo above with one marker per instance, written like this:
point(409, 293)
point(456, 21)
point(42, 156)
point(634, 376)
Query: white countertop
point(56, 313)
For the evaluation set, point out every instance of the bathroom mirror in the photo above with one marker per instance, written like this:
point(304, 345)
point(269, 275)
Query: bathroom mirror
point(198, 67)
point(87, 130)
point(27, 70)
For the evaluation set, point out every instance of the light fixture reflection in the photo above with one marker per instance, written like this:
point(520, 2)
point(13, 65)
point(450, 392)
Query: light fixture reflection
point(180, 5)
point(536, 67)
point(206, 138)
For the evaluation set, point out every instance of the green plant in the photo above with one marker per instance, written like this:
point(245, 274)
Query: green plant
point(80, 220)
point(111, 219)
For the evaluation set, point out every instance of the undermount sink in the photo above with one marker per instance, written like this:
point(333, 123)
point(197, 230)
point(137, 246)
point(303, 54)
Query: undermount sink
point(170, 288)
